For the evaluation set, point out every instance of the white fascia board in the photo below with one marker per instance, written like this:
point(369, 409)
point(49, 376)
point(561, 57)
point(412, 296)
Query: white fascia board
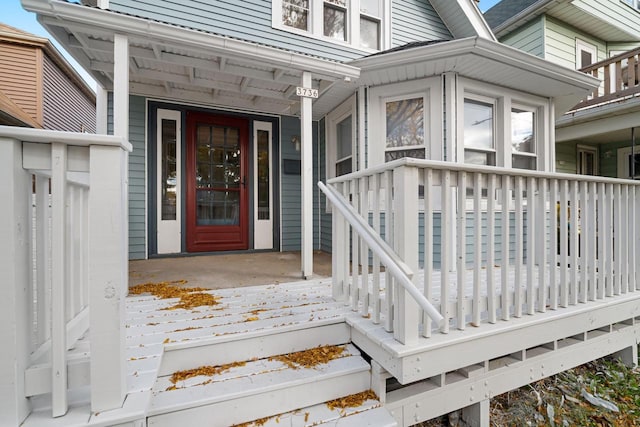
point(219, 45)
point(490, 50)
point(69, 138)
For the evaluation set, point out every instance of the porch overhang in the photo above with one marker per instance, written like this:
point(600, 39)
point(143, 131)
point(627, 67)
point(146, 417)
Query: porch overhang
point(176, 63)
point(484, 60)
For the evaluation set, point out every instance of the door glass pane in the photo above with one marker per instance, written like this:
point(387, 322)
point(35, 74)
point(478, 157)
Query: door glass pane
point(405, 123)
point(334, 22)
point(522, 134)
point(478, 124)
point(215, 207)
point(218, 175)
point(169, 169)
point(369, 33)
point(295, 13)
point(264, 210)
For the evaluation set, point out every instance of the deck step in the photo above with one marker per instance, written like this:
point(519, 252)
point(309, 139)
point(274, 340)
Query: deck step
point(256, 389)
point(369, 413)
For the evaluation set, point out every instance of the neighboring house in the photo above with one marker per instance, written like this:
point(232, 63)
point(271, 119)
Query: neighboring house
point(38, 87)
point(602, 38)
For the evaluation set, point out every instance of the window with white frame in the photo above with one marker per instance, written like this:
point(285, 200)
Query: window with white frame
point(340, 131)
point(633, 3)
point(405, 120)
point(359, 23)
point(586, 54)
point(502, 127)
point(523, 138)
point(479, 141)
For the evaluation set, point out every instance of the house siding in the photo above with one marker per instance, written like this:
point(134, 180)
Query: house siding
point(608, 160)
point(249, 20)
point(65, 106)
point(291, 184)
point(529, 38)
point(560, 41)
point(566, 157)
point(416, 20)
point(137, 174)
point(20, 77)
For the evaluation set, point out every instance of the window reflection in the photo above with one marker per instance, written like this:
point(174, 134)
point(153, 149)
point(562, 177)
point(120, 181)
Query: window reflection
point(169, 169)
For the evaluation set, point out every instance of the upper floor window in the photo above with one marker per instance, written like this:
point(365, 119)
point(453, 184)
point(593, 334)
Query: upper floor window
point(586, 54)
point(359, 23)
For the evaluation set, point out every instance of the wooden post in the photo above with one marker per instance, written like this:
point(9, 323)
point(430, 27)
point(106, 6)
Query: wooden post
point(405, 224)
point(306, 152)
point(14, 264)
point(108, 275)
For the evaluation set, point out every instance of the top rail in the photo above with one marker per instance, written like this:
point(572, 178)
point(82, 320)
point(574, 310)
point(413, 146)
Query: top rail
point(67, 138)
point(398, 269)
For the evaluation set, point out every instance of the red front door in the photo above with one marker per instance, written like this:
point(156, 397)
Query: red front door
point(216, 177)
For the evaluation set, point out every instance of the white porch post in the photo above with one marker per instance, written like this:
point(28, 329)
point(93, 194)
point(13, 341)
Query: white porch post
point(101, 110)
point(108, 249)
point(307, 180)
point(14, 264)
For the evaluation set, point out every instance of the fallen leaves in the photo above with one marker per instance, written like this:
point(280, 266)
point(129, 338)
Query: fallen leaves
point(310, 358)
point(207, 371)
point(189, 297)
point(352, 401)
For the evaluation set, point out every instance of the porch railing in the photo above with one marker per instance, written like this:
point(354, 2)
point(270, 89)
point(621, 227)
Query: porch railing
point(620, 77)
point(64, 251)
point(492, 243)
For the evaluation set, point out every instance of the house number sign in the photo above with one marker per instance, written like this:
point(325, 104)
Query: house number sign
point(306, 92)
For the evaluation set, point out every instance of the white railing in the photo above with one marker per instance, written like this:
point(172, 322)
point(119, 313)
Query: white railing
point(66, 204)
point(448, 219)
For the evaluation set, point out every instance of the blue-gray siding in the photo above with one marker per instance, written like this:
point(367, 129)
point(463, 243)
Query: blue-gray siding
point(250, 20)
point(137, 174)
point(529, 38)
point(416, 20)
point(290, 197)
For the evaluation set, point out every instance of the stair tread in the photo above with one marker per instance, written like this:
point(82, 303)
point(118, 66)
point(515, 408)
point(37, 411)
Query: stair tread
point(369, 413)
point(254, 377)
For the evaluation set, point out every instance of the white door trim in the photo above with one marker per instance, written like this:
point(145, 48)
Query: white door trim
point(262, 228)
point(169, 232)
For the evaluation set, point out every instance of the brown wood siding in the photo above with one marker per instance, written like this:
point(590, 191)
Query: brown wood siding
point(19, 77)
point(65, 106)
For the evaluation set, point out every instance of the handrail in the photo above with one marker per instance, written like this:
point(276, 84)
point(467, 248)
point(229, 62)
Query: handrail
point(398, 269)
point(610, 60)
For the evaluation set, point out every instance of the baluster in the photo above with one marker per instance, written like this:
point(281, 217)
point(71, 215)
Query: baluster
point(531, 238)
point(428, 246)
point(461, 248)
point(445, 247)
point(563, 230)
point(364, 252)
point(389, 237)
point(375, 303)
point(602, 237)
point(347, 248)
point(355, 247)
point(506, 235)
point(583, 235)
point(69, 255)
point(491, 248)
point(541, 255)
point(617, 238)
point(609, 233)
point(519, 259)
point(338, 257)
point(573, 246)
point(592, 241)
point(477, 247)
point(553, 244)
point(43, 254)
point(625, 229)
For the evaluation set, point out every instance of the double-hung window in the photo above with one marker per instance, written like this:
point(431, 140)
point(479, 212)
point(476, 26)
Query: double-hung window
point(358, 23)
point(340, 129)
point(523, 138)
point(479, 139)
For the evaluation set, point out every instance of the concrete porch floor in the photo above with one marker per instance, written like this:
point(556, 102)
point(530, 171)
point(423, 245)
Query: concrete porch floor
point(224, 270)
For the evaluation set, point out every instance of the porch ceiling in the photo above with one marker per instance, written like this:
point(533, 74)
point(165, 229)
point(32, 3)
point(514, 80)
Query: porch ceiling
point(185, 65)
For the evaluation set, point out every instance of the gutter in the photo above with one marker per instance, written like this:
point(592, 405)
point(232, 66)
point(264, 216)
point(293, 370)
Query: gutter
point(219, 45)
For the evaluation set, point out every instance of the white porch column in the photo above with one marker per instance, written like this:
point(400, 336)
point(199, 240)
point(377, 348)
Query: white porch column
point(101, 110)
point(14, 264)
point(108, 248)
point(307, 180)
point(121, 86)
